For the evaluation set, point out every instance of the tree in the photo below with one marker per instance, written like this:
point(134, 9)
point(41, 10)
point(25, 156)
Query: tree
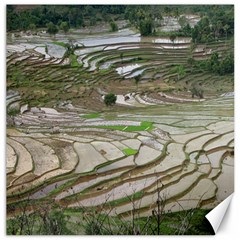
point(226, 65)
point(226, 28)
point(195, 34)
point(121, 56)
point(167, 10)
point(93, 21)
point(32, 27)
point(187, 30)
point(51, 28)
point(110, 99)
point(213, 62)
point(114, 26)
point(172, 38)
point(146, 27)
point(190, 61)
point(182, 21)
point(137, 79)
point(64, 26)
point(216, 65)
point(176, 12)
point(218, 28)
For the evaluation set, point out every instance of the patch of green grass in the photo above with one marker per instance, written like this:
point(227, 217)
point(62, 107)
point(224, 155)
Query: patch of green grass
point(171, 225)
point(134, 128)
point(62, 44)
point(74, 61)
point(91, 115)
point(104, 70)
point(136, 195)
point(129, 151)
point(13, 111)
point(146, 124)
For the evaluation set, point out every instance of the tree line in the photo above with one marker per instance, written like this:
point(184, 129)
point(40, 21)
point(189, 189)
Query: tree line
point(73, 15)
point(216, 20)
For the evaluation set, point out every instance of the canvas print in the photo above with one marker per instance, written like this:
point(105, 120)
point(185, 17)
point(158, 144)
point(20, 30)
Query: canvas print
point(120, 118)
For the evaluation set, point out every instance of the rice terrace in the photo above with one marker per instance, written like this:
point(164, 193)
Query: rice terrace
point(120, 118)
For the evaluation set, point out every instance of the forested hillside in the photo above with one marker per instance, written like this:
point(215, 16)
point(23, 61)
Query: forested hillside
point(217, 21)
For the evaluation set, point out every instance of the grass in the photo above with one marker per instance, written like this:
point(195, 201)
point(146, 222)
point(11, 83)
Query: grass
point(13, 111)
point(116, 202)
point(129, 151)
point(171, 223)
point(91, 115)
point(199, 225)
point(148, 125)
point(74, 61)
point(62, 44)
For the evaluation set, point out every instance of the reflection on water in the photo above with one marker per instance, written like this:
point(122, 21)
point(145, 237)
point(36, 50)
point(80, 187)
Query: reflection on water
point(56, 50)
point(167, 40)
point(136, 73)
point(107, 64)
point(123, 70)
point(95, 41)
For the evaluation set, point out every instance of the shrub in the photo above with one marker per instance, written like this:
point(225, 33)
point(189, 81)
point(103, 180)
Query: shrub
point(110, 99)
point(51, 28)
point(114, 26)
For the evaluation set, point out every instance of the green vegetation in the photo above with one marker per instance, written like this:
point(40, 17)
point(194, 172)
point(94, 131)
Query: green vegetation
point(216, 65)
point(196, 223)
point(136, 195)
point(114, 26)
point(43, 221)
point(13, 111)
point(19, 77)
point(217, 20)
point(130, 151)
point(73, 60)
point(147, 125)
point(180, 70)
point(110, 99)
point(32, 27)
point(62, 44)
point(51, 28)
point(74, 15)
point(64, 26)
point(146, 27)
point(172, 37)
point(57, 220)
point(91, 115)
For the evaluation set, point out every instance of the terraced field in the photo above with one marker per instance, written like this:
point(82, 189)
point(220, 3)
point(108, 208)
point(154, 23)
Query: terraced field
point(157, 140)
point(103, 61)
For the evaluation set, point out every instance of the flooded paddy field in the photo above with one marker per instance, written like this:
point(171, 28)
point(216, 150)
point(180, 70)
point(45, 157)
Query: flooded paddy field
point(66, 145)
